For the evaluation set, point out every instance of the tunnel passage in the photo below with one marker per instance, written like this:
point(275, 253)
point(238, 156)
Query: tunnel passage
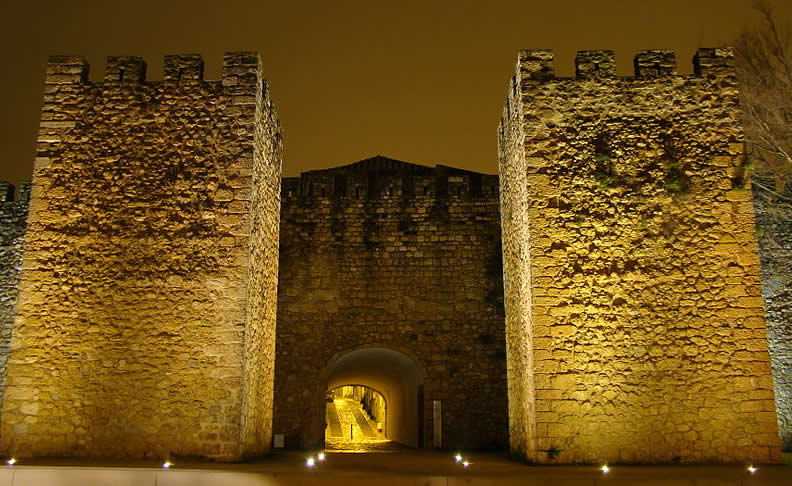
point(356, 420)
point(393, 375)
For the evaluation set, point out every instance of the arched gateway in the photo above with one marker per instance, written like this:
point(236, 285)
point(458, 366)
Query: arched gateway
point(396, 376)
point(390, 276)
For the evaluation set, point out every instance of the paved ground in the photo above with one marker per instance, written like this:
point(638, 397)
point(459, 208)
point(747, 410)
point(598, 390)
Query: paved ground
point(346, 418)
point(349, 429)
point(409, 468)
point(333, 423)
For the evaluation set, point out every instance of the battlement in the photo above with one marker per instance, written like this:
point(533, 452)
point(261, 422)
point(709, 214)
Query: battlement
point(130, 70)
point(595, 64)
point(357, 188)
point(125, 69)
point(186, 67)
point(7, 191)
point(67, 81)
point(537, 65)
point(380, 177)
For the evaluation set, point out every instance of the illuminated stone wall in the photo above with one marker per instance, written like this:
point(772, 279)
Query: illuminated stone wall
point(642, 337)
point(130, 338)
point(774, 230)
point(262, 299)
point(517, 287)
point(396, 255)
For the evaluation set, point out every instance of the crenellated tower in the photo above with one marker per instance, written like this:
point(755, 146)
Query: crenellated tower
point(635, 325)
point(146, 311)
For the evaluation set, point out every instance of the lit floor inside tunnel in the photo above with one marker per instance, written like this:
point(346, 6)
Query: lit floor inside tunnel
point(372, 401)
point(355, 421)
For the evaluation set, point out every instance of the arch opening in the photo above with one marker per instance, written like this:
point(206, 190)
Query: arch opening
point(373, 398)
point(356, 419)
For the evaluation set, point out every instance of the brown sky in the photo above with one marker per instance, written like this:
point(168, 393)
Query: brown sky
point(418, 81)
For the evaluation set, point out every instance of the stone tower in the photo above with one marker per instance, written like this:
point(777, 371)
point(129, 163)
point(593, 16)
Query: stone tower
point(635, 328)
point(146, 310)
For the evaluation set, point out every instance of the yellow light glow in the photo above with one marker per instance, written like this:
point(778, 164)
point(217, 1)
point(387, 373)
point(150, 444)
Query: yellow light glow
point(11, 461)
point(310, 462)
point(167, 464)
point(458, 458)
point(752, 469)
point(321, 456)
point(466, 464)
point(605, 469)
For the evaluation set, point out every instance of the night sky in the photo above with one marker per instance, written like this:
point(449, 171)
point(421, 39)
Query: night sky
point(418, 81)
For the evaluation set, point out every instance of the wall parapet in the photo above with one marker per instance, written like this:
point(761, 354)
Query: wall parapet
point(538, 65)
point(440, 182)
point(131, 70)
point(9, 194)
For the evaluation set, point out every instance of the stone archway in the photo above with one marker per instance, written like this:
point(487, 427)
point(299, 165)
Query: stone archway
point(397, 375)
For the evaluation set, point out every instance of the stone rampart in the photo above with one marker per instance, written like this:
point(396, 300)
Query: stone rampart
point(145, 321)
point(774, 231)
point(402, 256)
point(635, 321)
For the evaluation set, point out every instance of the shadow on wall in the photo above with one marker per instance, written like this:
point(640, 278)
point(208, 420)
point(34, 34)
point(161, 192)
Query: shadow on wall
point(13, 218)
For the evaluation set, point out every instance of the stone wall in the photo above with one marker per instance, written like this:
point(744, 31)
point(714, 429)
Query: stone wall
point(517, 287)
point(388, 254)
point(134, 331)
point(774, 230)
point(262, 297)
point(625, 207)
point(13, 219)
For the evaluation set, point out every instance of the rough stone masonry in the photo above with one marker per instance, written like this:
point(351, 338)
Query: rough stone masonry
point(403, 256)
point(774, 230)
point(635, 327)
point(13, 218)
point(146, 309)
point(142, 323)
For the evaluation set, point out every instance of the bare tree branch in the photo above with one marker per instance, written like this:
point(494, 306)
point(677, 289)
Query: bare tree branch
point(764, 66)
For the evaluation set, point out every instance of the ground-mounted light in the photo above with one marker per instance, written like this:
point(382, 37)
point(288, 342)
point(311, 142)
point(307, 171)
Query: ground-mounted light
point(311, 462)
point(320, 456)
point(605, 469)
point(11, 461)
point(752, 469)
point(458, 457)
point(167, 465)
point(465, 464)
